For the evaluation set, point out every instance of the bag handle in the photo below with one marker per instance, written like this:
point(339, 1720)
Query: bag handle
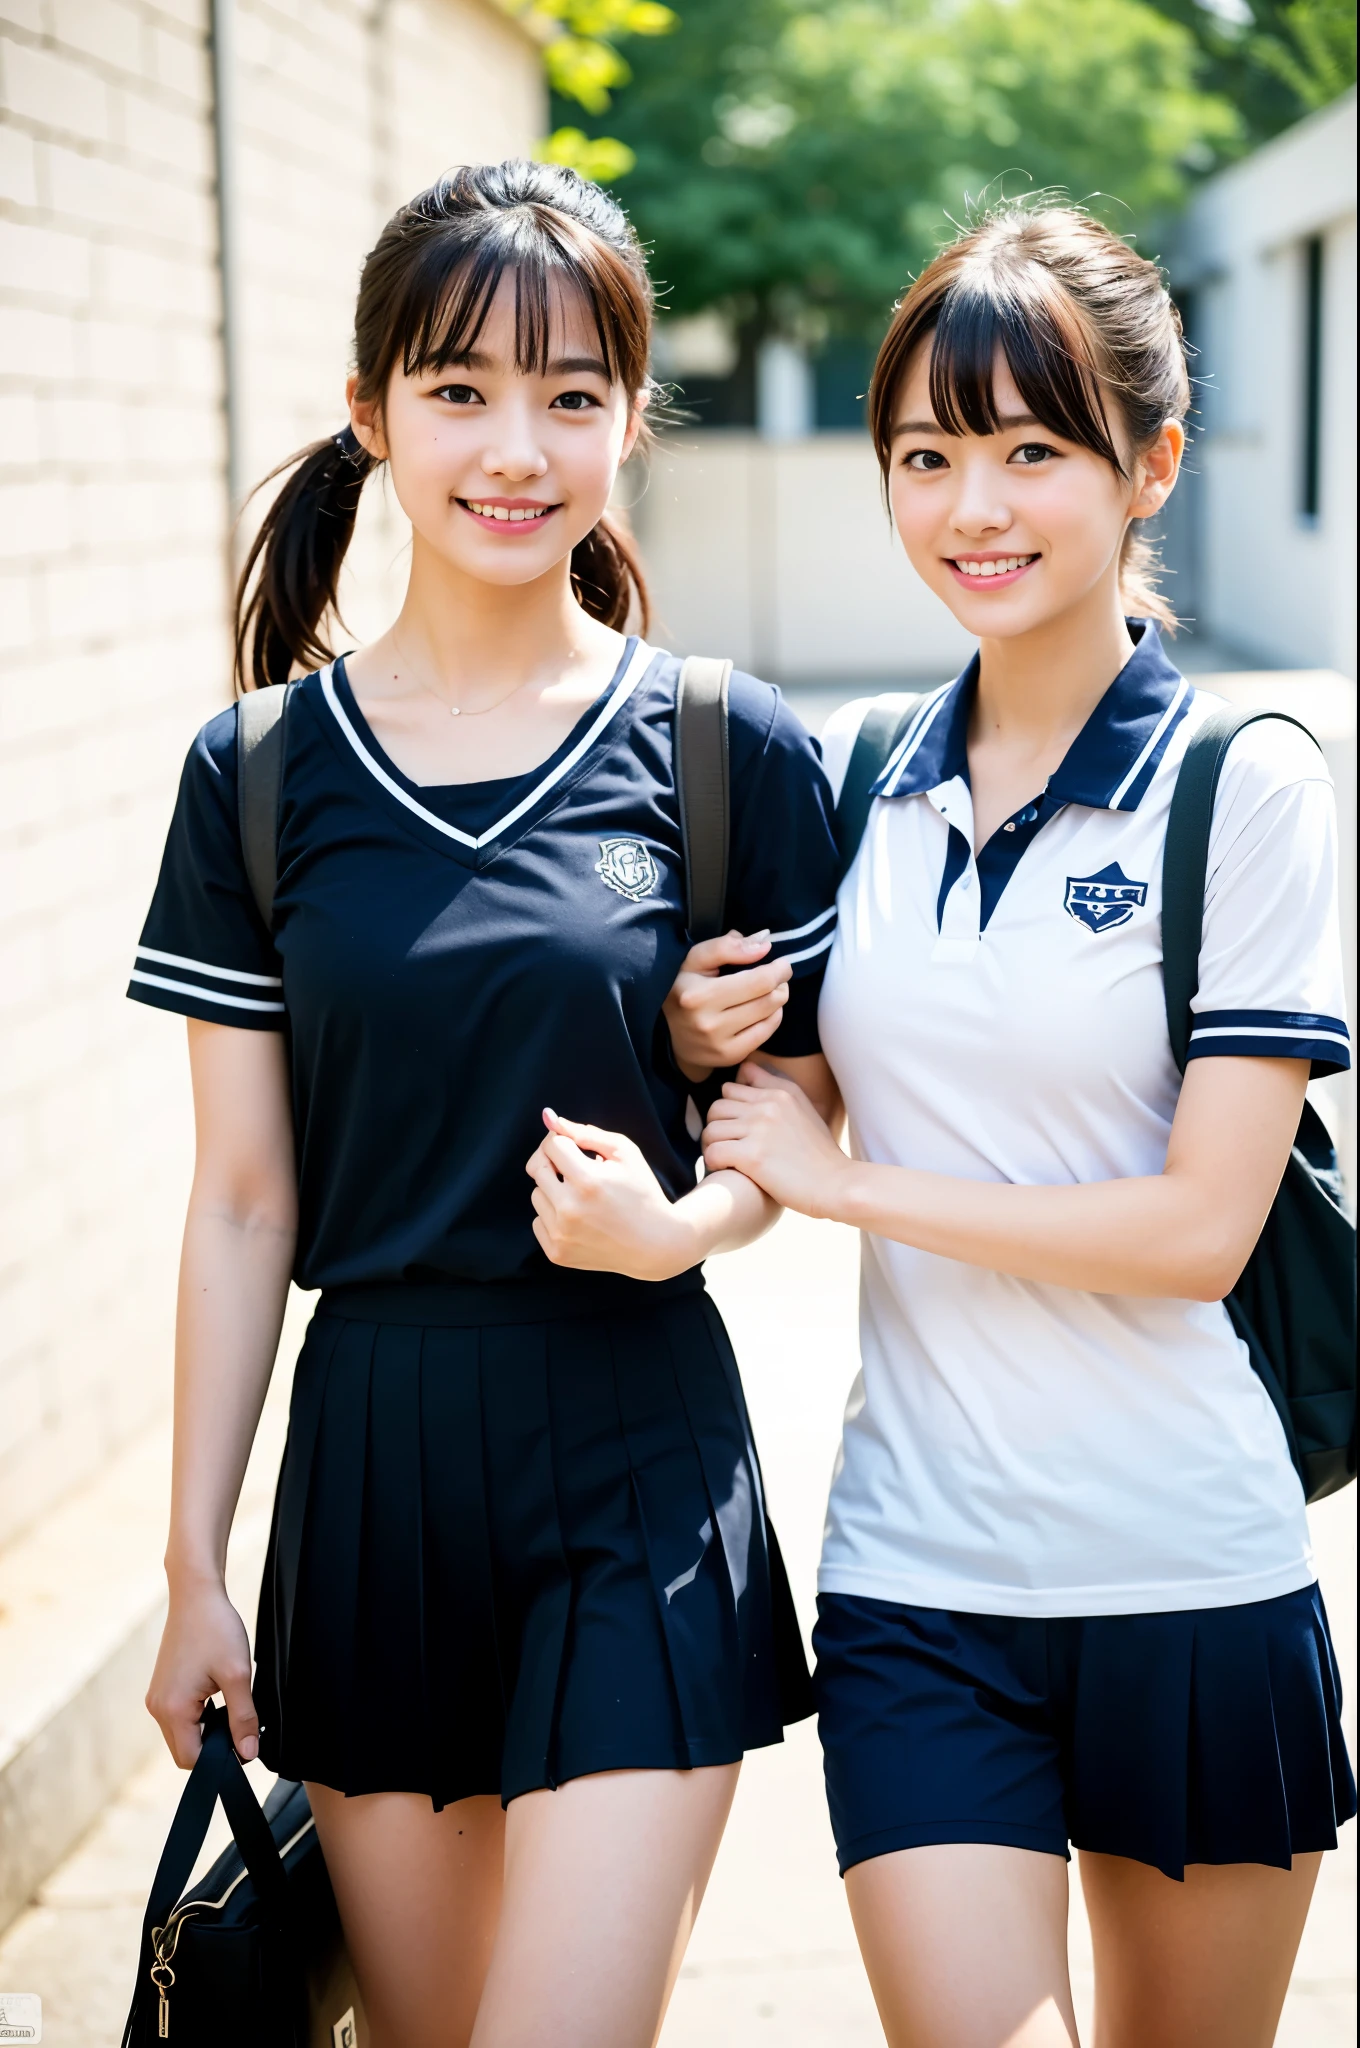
point(702, 789)
point(217, 1774)
point(882, 727)
point(1185, 862)
point(261, 732)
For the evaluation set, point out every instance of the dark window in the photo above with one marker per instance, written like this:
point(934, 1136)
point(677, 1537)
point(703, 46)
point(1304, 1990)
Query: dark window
point(840, 381)
point(1310, 479)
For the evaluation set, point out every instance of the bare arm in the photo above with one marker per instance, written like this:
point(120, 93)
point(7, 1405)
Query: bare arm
point(1185, 1233)
point(599, 1207)
point(234, 1271)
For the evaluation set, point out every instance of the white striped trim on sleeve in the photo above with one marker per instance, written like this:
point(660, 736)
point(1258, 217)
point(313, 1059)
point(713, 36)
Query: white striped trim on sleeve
point(780, 940)
point(204, 974)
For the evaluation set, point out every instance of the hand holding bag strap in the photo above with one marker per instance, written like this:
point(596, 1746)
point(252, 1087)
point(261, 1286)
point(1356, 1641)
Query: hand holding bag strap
point(1185, 863)
point(702, 788)
point(261, 730)
point(882, 727)
point(217, 1774)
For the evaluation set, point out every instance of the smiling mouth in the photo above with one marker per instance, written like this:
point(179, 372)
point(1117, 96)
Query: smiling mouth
point(491, 513)
point(990, 568)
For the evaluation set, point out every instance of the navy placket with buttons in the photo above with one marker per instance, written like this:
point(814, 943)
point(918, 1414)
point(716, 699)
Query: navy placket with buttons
point(1108, 766)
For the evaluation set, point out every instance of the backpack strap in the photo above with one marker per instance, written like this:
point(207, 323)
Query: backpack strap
point(880, 732)
point(261, 725)
point(702, 787)
point(1185, 862)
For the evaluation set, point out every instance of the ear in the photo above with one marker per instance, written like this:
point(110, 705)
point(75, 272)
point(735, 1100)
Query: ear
point(1157, 470)
point(365, 418)
point(634, 426)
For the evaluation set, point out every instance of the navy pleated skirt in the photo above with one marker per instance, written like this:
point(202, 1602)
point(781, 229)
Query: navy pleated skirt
point(519, 1536)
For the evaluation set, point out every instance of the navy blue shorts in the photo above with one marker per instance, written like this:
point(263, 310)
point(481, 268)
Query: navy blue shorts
point(1205, 1737)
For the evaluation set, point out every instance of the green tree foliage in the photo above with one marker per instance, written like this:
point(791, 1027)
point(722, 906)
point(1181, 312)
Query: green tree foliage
point(794, 161)
point(1275, 60)
point(584, 65)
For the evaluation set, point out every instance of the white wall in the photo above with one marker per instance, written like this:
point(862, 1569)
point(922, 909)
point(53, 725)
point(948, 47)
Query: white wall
point(113, 527)
point(780, 555)
point(1270, 583)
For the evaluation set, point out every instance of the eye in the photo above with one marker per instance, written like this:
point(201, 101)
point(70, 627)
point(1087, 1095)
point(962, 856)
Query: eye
point(458, 394)
point(574, 401)
point(925, 461)
point(1032, 453)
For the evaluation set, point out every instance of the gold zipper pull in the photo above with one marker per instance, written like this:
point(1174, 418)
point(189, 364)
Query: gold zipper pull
point(163, 1977)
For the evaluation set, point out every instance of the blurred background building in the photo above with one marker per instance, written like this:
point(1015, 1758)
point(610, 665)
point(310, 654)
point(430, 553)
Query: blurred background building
point(187, 189)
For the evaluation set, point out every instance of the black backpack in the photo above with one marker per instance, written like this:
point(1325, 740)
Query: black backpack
point(701, 776)
point(1294, 1305)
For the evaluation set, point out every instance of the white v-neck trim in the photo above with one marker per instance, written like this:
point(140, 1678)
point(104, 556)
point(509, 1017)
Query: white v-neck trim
point(642, 658)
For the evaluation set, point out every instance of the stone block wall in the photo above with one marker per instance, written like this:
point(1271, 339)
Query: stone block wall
point(113, 577)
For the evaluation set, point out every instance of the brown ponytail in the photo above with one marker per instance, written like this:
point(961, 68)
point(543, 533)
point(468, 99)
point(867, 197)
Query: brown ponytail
point(1084, 324)
point(424, 296)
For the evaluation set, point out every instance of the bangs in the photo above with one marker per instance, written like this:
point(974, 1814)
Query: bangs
point(1045, 346)
point(452, 286)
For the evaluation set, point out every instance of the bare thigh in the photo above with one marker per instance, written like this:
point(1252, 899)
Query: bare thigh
point(603, 1879)
point(419, 1894)
point(965, 1944)
point(1206, 1962)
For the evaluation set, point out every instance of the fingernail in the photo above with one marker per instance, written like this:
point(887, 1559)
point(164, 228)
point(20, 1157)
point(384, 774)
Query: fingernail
point(758, 938)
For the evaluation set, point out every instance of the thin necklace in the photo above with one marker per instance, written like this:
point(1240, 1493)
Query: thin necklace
point(459, 710)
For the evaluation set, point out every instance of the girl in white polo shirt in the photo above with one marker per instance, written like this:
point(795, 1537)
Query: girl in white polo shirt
point(1067, 1592)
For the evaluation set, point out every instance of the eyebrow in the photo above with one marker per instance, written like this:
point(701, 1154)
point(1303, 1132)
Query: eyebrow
point(1005, 421)
point(561, 366)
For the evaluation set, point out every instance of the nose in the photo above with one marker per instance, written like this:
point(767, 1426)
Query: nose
point(980, 510)
point(513, 451)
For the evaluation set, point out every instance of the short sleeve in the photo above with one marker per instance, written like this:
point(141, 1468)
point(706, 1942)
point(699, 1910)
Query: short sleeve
point(1271, 973)
point(204, 951)
point(783, 865)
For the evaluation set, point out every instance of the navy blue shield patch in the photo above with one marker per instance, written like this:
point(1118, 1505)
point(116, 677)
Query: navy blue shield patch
point(1102, 901)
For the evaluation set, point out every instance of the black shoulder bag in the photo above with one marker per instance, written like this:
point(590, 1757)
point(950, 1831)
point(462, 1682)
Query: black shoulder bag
point(252, 1953)
point(1294, 1306)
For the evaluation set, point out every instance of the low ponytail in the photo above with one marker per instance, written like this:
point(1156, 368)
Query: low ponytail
point(292, 572)
point(1140, 568)
point(607, 578)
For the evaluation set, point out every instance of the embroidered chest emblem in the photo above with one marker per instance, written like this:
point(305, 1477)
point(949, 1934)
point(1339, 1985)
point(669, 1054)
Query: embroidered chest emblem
point(1102, 901)
point(626, 866)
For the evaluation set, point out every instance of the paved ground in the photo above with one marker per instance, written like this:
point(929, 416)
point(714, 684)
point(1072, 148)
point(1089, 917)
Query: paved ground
point(773, 1962)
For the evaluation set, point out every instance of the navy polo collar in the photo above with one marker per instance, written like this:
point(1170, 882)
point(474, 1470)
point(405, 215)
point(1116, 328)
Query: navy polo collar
point(1108, 765)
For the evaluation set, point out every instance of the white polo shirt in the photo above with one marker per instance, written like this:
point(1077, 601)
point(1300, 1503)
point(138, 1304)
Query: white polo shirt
point(1012, 1447)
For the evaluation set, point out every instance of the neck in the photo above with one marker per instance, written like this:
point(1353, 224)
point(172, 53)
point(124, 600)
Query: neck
point(460, 630)
point(1045, 684)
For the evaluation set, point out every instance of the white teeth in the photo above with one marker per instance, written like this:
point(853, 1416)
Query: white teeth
point(1006, 566)
point(519, 514)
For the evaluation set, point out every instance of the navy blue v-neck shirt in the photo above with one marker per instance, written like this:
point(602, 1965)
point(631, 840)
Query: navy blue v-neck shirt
point(446, 961)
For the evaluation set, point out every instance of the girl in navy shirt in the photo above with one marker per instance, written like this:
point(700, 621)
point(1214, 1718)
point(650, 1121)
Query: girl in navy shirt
point(522, 1610)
